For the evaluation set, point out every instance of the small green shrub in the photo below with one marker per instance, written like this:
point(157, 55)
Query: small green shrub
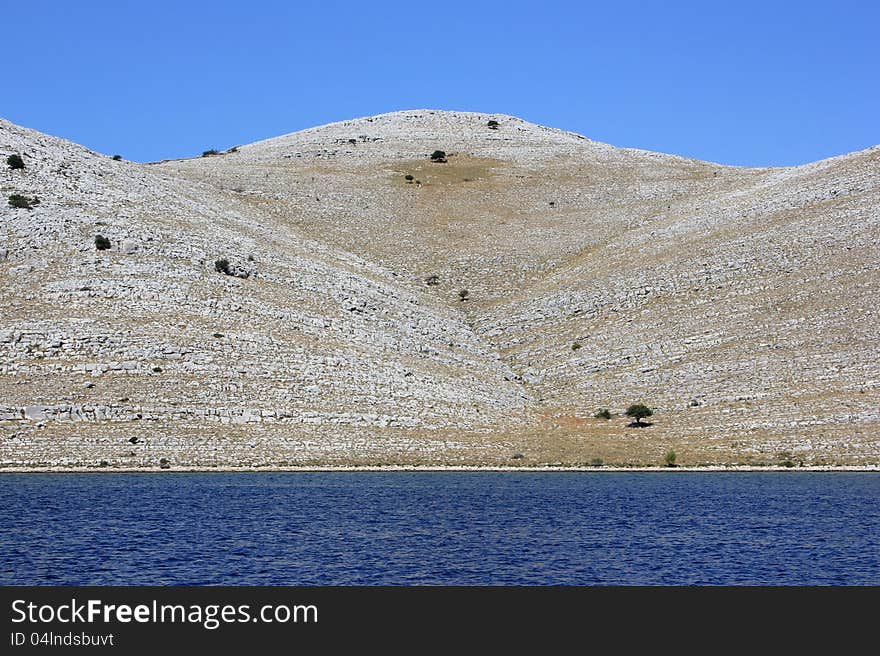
point(438, 156)
point(493, 124)
point(602, 413)
point(15, 162)
point(463, 295)
point(223, 266)
point(432, 280)
point(20, 202)
point(117, 158)
point(596, 462)
point(576, 346)
point(102, 243)
point(212, 151)
point(669, 458)
point(408, 177)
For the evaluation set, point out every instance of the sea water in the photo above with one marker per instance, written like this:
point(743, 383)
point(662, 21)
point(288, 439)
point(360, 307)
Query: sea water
point(682, 528)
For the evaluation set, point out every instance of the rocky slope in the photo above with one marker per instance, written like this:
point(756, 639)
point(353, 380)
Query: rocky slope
point(736, 302)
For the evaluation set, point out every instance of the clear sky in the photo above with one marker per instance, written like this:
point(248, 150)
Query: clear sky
point(737, 82)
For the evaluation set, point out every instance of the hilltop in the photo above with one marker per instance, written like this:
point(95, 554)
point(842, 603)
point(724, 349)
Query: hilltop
point(738, 303)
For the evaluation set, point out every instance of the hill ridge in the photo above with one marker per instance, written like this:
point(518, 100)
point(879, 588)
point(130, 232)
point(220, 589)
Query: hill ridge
point(736, 301)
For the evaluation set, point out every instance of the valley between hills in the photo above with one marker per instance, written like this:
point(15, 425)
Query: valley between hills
point(347, 295)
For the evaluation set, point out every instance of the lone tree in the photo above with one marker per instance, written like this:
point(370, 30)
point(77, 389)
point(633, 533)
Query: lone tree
point(102, 243)
point(639, 411)
point(438, 157)
point(463, 294)
point(492, 124)
point(15, 162)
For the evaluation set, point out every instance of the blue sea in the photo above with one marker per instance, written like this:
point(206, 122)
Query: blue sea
point(478, 528)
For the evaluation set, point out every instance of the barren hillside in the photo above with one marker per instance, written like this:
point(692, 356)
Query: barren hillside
point(738, 303)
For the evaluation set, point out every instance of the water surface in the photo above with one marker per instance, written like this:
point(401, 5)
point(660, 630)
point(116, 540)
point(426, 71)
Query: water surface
point(440, 528)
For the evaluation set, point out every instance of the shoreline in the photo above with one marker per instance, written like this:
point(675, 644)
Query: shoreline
point(433, 469)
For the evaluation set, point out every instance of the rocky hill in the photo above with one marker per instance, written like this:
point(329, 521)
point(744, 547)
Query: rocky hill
point(301, 300)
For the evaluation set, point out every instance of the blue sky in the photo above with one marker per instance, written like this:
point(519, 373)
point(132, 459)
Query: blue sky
point(747, 83)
